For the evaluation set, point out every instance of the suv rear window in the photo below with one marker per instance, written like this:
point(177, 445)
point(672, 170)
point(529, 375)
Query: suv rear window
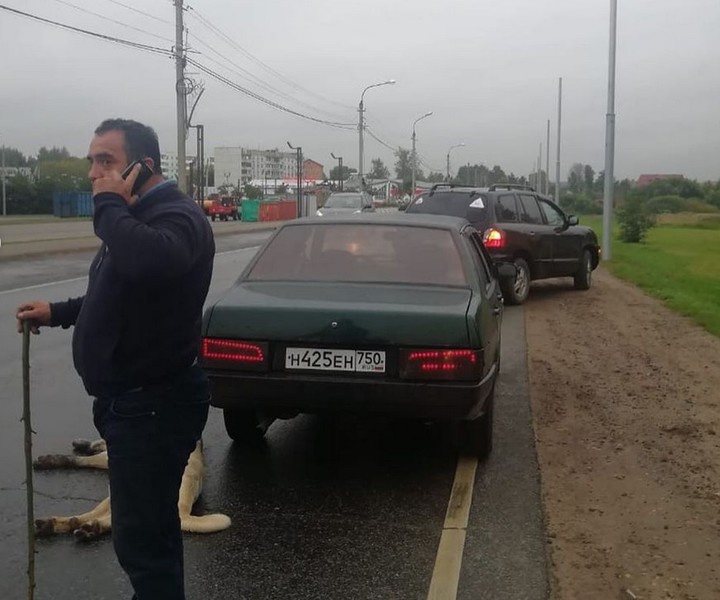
point(467, 205)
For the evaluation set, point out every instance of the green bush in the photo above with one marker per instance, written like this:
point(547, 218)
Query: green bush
point(580, 204)
point(713, 197)
point(665, 204)
point(634, 220)
point(698, 205)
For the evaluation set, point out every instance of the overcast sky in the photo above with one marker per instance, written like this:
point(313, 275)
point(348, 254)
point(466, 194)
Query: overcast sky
point(488, 69)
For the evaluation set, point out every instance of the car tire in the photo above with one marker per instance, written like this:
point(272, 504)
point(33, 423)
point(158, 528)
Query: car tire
point(583, 278)
point(476, 436)
point(242, 425)
point(517, 290)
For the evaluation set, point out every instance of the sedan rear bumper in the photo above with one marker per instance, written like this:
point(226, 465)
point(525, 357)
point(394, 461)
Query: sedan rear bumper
point(313, 394)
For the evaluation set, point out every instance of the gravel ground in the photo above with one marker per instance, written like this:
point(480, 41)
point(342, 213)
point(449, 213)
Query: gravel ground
point(626, 403)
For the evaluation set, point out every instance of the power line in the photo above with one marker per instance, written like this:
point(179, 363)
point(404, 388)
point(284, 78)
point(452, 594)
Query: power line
point(196, 64)
point(271, 103)
point(377, 139)
point(107, 38)
point(252, 78)
point(137, 10)
point(90, 12)
point(194, 13)
point(422, 161)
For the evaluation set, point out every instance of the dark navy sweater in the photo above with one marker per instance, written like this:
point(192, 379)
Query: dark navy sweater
point(139, 321)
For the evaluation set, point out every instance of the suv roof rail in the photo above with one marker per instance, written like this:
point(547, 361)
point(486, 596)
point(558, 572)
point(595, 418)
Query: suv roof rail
point(511, 186)
point(451, 185)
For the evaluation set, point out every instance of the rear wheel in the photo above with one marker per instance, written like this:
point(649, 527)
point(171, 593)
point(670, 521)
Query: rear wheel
point(476, 436)
point(515, 291)
point(242, 425)
point(583, 278)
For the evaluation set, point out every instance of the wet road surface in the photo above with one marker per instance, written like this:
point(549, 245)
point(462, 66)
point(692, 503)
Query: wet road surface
point(327, 508)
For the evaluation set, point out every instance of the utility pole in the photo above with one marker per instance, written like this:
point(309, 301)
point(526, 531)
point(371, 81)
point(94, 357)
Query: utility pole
point(609, 190)
point(180, 94)
point(201, 161)
point(340, 171)
point(298, 150)
point(361, 128)
point(414, 155)
point(539, 175)
point(3, 182)
point(461, 144)
point(547, 160)
point(557, 162)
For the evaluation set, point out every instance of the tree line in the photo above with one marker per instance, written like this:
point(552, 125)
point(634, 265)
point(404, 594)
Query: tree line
point(56, 170)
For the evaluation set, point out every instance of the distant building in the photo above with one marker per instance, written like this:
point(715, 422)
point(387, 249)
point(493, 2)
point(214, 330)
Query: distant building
point(169, 164)
point(313, 170)
point(236, 165)
point(644, 180)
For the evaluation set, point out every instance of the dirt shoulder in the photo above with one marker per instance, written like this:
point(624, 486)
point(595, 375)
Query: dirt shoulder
point(626, 403)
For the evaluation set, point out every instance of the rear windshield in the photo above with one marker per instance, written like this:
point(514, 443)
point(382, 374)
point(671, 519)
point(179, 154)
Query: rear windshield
point(467, 205)
point(361, 253)
point(344, 201)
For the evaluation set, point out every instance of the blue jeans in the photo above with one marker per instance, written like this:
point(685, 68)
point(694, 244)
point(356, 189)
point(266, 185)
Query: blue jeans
point(150, 433)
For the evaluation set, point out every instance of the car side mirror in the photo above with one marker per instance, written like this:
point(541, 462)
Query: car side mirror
point(572, 220)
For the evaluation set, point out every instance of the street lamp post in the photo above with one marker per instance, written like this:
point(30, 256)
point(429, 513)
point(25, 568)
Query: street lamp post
point(298, 150)
point(414, 156)
point(448, 158)
point(4, 200)
point(340, 173)
point(361, 125)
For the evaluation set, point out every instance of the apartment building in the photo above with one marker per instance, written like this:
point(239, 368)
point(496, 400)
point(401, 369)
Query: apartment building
point(236, 164)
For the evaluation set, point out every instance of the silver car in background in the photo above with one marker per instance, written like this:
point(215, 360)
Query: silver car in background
point(346, 203)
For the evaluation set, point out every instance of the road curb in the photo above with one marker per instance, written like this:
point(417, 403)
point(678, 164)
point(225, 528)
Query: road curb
point(69, 245)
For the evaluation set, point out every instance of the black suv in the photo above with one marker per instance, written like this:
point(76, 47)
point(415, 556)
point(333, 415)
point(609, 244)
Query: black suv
point(519, 227)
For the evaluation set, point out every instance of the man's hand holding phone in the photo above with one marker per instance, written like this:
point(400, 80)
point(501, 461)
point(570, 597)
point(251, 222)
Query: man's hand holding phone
point(125, 184)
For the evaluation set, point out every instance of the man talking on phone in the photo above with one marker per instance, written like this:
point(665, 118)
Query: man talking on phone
point(137, 331)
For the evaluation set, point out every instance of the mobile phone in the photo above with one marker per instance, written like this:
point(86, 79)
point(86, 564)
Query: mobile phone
point(145, 174)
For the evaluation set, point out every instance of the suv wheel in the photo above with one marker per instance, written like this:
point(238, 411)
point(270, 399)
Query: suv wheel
point(583, 278)
point(516, 291)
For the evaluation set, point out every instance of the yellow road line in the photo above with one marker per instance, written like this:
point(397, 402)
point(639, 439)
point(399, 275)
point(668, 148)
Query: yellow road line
point(446, 574)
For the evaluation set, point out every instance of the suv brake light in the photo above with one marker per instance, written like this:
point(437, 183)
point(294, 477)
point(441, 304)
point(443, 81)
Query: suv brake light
point(494, 238)
point(447, 364)
point(234, 354)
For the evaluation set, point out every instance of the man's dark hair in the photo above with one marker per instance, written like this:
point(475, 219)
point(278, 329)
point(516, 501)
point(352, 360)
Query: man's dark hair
point(140, 140)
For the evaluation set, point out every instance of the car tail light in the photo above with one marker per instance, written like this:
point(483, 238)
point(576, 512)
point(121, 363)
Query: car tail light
point(446, 364)
point(234, 354)
point(494, 238)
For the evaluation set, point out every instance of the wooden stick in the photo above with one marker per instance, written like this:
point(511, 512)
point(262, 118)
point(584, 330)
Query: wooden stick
point(28, 459)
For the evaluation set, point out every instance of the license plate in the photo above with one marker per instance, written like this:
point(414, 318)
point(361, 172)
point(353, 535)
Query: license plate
point(320, 359)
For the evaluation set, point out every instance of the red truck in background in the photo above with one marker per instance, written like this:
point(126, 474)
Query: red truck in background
point(222, 207)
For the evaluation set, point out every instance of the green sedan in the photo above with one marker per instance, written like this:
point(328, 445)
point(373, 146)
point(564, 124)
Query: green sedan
point(385, 315)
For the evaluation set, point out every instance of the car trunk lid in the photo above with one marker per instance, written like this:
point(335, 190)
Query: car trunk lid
point(343, 314)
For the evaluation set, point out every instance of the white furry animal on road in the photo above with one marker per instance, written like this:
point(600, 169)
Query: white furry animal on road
point(95, 523)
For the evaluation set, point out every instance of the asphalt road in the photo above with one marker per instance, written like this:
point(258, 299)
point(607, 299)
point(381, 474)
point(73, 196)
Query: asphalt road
point(327, 509)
